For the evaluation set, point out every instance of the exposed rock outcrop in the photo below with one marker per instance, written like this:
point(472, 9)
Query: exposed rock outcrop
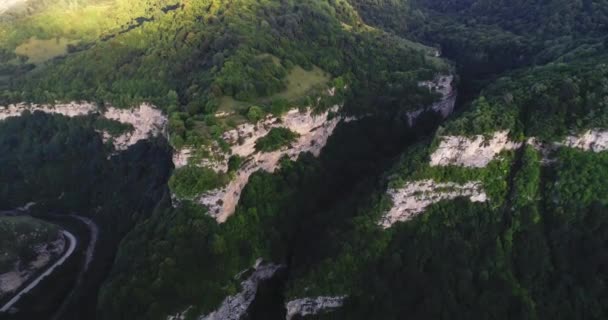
point(180, 315)
point(416, 196)
point(313, 129)
point(475, 152)
point(235, 307)
point(72, 109)
point(445, 106)
point(146, 120)
point(312, 306)
point(181, 157)
point(592, 140)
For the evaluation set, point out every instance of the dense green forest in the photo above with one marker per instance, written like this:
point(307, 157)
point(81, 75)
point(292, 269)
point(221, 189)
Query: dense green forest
point(63, 165)
point(536, 249)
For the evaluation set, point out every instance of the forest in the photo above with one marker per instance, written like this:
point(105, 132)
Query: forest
point(63, 165)
point(537, 249)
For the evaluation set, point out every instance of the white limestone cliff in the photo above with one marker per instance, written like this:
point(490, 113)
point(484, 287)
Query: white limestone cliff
point(413, 198)
point(312, 306)
point(474, 152)
point(235, 307)
point(591, 140)
point(146, 120)
point(72, 109)
point(314, 130)
point(443, 85)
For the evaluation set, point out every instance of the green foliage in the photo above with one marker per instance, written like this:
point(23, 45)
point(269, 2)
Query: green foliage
point(278, 107)
point(164, 262)
point(526, 183)
point(192, 59)
point(537, 250)
point(579, 178)
point(62, 164)
point(247, 78)
point(276, 139)
point(482, 118)
point(234, 163)
point(19, 237)
point(255, 114)
point(114, 128)
point(190, 181)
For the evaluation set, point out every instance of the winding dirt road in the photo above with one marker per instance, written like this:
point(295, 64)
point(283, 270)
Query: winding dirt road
point(36, 281)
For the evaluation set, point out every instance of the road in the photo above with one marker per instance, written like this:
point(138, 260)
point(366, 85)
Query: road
point(94, 230)
point(34, 283)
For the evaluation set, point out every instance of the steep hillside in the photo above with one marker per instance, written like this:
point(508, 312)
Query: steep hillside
point(491, 217)
point(282, 159)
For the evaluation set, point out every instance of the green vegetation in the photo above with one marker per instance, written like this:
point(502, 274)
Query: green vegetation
point(209, 57)
point(38, 51)
point(160, 253)
point(275, 139)
point(300, 82)
point(468, 260)
point(114, 128)
point(535, 250)
point(191, 181)
point(579, 179)
point(19, 236)
point(230, 56)
point(63, 165)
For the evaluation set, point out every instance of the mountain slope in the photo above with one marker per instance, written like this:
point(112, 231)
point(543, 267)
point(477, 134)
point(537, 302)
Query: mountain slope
point(322, 124)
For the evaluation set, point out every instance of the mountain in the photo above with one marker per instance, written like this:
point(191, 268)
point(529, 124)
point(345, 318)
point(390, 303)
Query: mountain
point(315, 159)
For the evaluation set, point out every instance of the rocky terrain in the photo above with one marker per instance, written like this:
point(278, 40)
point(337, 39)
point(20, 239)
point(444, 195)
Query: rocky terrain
point(444, 86)
point(72, 109)
point(591, 140)
point(145, 120)
point(312, 306)
point(235, 307)
point(472, 152)
point(415, 196)
point(313, 130)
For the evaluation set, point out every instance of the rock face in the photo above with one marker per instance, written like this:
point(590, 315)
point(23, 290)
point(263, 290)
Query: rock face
point(312, 306)
point(474, 152)
point(146, 120)
point(445, 106)
point(180, 315)
point(181, 157)
point(416, 196)
point(72, 109)
point(314, 131)
point(592, 140)
point(235, 307)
